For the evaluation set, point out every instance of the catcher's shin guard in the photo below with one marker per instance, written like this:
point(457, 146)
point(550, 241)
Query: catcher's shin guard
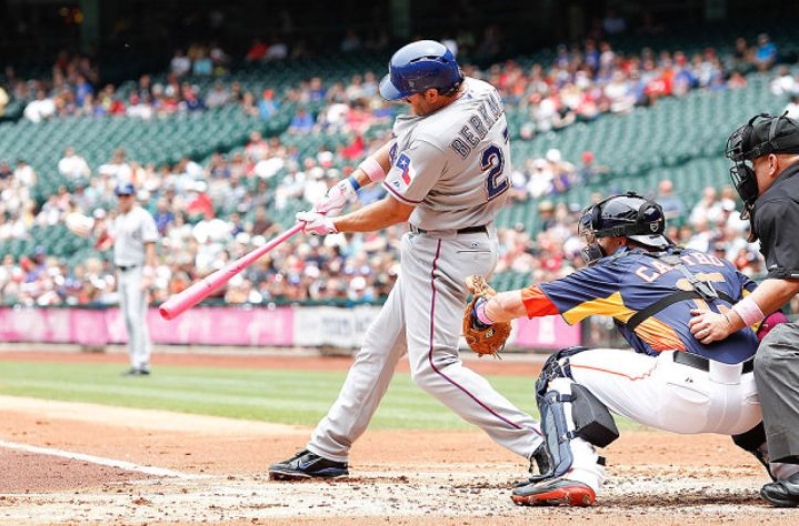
point(588, 419)
point(556, 435)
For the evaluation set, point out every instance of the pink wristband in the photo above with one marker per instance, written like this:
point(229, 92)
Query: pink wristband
point(373, 170)
point(481, 314)
point(749, 311)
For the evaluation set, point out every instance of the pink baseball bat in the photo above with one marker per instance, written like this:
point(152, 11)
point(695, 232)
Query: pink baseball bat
point(197, 292)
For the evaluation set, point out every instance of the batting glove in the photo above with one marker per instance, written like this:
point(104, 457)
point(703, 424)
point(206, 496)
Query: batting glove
point(343, 193)
point(315, 223)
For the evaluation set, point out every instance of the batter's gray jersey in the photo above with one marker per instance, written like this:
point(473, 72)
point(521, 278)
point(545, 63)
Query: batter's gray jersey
point(453, 165)
point(131, 232)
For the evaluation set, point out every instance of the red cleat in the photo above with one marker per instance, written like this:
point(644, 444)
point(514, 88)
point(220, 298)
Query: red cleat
point(554, 493)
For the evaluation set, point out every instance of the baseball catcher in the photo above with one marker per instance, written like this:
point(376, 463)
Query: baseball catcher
point(649, 286)
point(483, 338)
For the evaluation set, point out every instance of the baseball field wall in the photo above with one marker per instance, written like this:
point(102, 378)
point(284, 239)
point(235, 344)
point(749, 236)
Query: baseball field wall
point(288, 326)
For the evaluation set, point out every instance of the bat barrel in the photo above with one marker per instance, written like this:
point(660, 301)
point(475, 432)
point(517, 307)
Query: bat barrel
point(200, 290)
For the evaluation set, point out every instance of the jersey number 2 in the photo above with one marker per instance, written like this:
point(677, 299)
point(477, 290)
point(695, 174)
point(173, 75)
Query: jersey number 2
point(493, 161)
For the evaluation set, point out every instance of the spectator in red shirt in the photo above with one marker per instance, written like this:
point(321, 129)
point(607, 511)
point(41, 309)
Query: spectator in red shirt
point(201, 204)
point(257, 51)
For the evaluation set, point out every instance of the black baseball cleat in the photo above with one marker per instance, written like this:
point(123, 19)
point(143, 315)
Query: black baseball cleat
point(306, 465)
point(553, 493)
point(782, 493)
point(135, 371)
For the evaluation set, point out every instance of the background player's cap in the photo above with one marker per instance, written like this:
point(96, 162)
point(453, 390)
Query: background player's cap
point(125, 189)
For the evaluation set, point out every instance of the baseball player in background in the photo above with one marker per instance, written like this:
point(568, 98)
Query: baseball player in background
point(671, 381)
point(133, 234)
point(446, 172)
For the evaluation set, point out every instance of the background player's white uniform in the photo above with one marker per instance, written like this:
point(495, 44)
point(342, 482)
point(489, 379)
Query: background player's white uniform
point(131, 232)
point(453, 165)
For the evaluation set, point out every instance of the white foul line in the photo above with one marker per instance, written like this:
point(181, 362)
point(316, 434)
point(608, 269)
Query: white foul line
point(121, 464)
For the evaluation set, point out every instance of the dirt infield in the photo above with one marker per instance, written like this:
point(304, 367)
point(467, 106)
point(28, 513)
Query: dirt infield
point(67, 463)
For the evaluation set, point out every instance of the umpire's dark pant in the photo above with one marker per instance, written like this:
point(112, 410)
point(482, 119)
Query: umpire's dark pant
point(777, 378)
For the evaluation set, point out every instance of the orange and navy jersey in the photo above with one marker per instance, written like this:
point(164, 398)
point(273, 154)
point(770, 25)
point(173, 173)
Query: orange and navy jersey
point(630, 281)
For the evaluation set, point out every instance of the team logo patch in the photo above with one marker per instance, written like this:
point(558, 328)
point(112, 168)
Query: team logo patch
point(404, 165)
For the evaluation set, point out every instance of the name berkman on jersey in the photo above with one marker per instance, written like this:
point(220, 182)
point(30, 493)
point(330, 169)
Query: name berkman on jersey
point(471, 136)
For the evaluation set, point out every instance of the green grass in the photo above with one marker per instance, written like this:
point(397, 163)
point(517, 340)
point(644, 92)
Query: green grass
point(279, 396)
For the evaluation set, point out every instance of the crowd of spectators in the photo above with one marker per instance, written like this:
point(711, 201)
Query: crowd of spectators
point(186, 199)
point(581, 82)
point(211, 214)
point(584, 82)
point(207, 215)
point(541, 177)
point(713, 225)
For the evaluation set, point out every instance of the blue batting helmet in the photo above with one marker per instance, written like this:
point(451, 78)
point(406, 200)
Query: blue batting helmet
point(419, 66)
point(125, 189)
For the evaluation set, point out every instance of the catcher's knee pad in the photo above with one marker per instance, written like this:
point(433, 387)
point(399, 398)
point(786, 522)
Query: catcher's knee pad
point(592, 420)
point(589, 420)
point(556, 366)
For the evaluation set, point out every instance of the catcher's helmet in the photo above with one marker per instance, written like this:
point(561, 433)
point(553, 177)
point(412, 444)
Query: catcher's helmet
point(419, 66)
point(628, 215)
point(764, 134)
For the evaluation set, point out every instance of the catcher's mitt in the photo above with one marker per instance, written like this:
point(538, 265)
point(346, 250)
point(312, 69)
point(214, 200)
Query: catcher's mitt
point(482, 339)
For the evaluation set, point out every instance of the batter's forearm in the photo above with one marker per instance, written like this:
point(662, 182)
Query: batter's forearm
point(375, 216)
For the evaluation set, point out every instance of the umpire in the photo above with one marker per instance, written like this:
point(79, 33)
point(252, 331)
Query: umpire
point(765, 156)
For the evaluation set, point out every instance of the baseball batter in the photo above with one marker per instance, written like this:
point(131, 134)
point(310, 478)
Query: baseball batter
point(134, 236)
point(672, 381)
point(446, 173)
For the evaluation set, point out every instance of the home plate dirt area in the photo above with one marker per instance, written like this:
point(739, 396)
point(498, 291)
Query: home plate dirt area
point(72, 463)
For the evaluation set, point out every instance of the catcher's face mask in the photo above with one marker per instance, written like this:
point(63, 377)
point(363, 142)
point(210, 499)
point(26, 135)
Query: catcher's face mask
point(592, 251)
